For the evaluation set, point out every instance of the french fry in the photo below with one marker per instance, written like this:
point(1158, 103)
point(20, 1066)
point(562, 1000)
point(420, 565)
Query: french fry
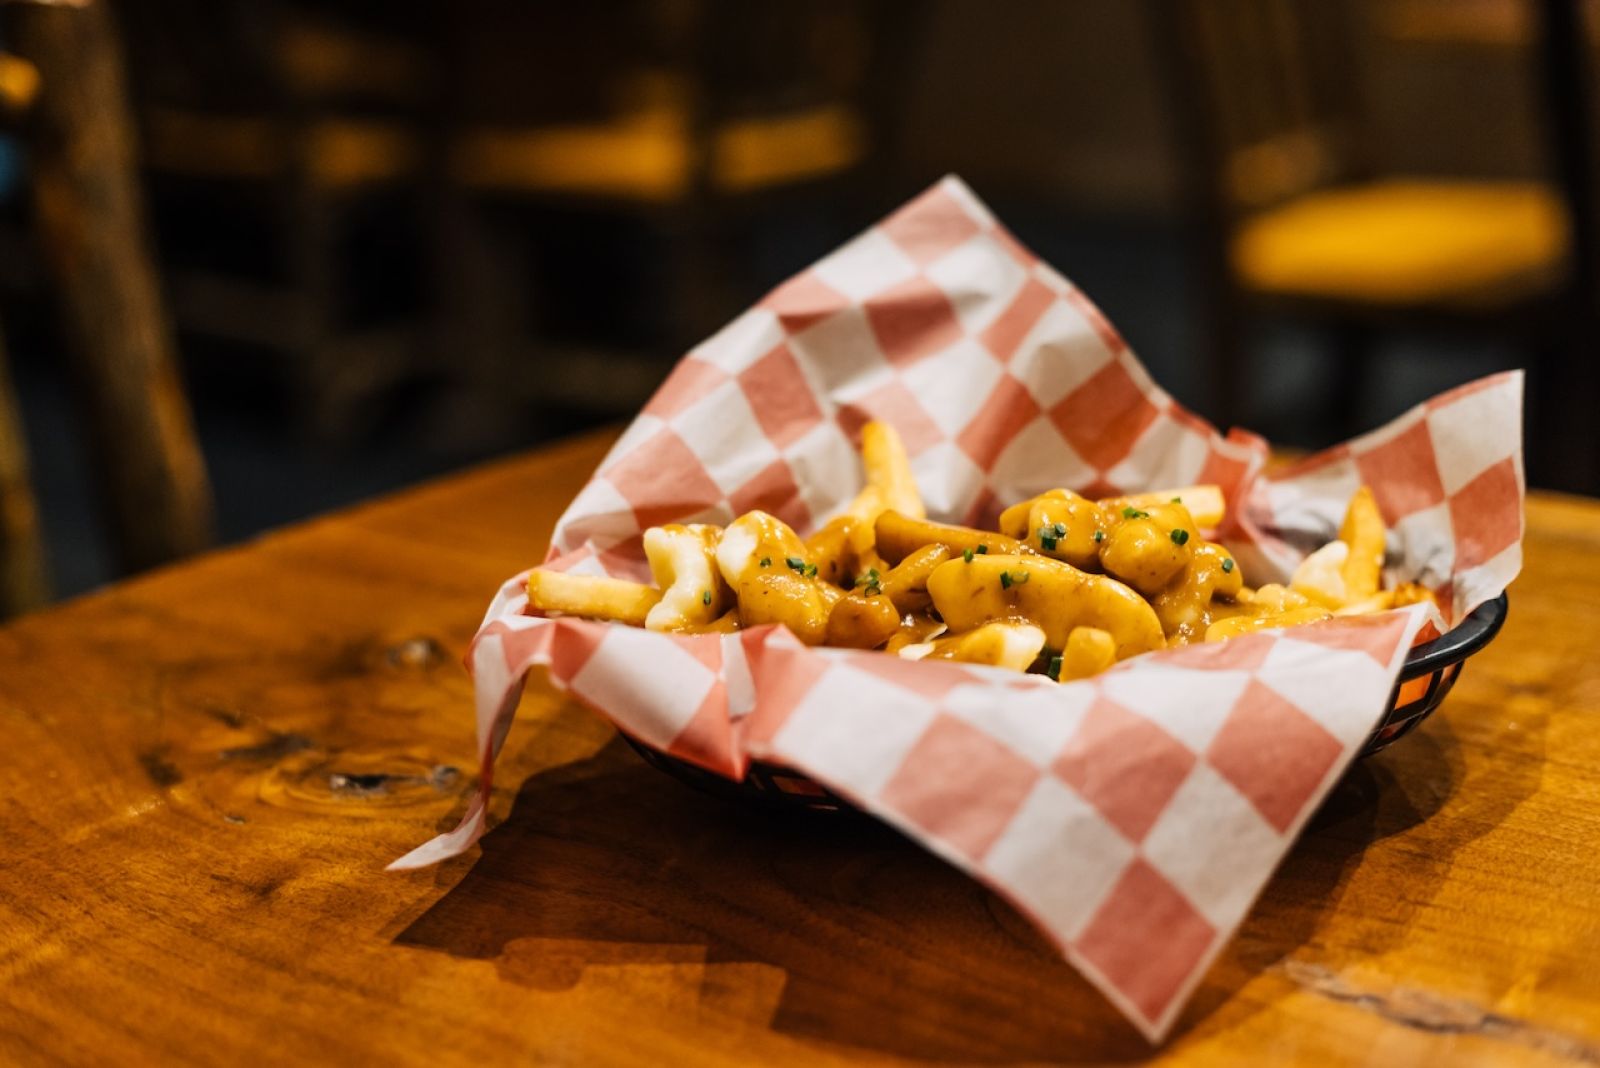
point(1205, 502)
point(900, 535)
point(683, 563)
point(1363, 531)
point(883, 454)
point(1089, 651)
point(906, 584)
point(1234, 626)
point(1056, 596)
point(1007, 643)
point(862, 621)
point(591, 596)
point(1320, 576)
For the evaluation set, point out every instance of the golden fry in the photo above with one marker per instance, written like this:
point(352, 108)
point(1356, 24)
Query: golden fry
point(1008, 644)
point(1089, 651)
point(862, 621)
point(1363, 531)
point(888, 467)
point(684, 565)
point(900, 535)
point(1204, 502)
point(1056, 596)
point(1146, 548)
point(1237, 625)
point(1058, 524)
point(591, 596)
point(831, 549)
point(906, 584)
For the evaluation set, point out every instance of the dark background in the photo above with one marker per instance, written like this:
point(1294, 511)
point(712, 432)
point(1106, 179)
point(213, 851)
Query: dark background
point(395, 239)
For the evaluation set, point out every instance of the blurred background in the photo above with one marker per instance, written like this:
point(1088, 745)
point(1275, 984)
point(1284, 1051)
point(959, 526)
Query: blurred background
point(259, 259)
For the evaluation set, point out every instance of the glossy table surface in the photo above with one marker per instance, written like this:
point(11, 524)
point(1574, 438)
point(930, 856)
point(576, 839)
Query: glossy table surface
point(204, 771)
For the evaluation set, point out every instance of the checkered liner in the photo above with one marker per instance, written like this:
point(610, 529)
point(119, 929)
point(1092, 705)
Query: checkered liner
point(1134, 816)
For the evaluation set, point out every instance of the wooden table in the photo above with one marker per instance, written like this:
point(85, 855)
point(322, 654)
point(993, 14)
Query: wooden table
point(204, 772)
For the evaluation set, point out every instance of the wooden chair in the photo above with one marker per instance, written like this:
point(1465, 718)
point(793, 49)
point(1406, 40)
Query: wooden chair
point(688, 118)
point(1289, 217)
point(88, 212)
point(292, 118)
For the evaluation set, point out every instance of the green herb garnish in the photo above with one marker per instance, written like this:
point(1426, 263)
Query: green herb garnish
point(1179, 536)
point(1005, 580)
point(766, 561)
point(810, 571)
point(795, 564)
point(1227, 565)
point(1055, 668)
point(1130, 512)
point(705, 598)
point(1099, 535)
point(966, 554)
point(982, 549)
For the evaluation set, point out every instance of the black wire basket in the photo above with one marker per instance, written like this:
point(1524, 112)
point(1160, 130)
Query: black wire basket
point(1429, 673)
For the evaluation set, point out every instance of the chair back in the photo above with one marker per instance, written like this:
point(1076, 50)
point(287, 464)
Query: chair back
point(1263, 96)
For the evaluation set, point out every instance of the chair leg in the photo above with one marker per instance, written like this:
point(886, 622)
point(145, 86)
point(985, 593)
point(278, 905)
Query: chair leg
point(22, 573)
point(92, 233)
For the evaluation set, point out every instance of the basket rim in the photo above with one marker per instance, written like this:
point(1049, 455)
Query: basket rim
point(1459, 642)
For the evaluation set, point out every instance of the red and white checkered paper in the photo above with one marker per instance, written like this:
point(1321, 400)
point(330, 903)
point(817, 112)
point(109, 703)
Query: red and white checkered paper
point(1134, 816)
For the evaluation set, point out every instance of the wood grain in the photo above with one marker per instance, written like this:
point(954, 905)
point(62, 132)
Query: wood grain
point(205, 770)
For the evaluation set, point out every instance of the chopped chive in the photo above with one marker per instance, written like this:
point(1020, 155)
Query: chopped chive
point(1227, 565)
point(982, 549)
point(869, 579)
point(766, 561)
point(1005, 580)
point(705, 598)
point(1179, 536)
point(1099, 535)
point(1020, 578)
point(966, 554)
point(810, 571)
point(1061, 530)
point(1046, 542)
point(1130, 512)
point(1055, 668)
point(1177, 500)
point(795, 563)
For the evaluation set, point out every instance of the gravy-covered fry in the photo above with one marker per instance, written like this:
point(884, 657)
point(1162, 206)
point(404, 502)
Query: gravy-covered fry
point(1089, 651)
point(901, 535)
point(1059, 524)
point(591, 596)
point(862, 620)
point(1204, 502)
point(906, 584)
point(1056, 596)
